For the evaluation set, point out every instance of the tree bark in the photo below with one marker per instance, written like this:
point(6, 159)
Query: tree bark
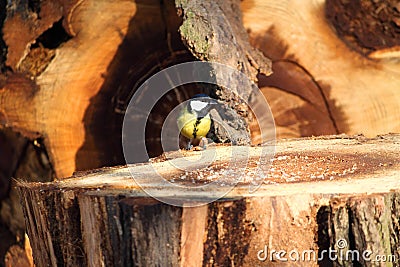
point(340, 193)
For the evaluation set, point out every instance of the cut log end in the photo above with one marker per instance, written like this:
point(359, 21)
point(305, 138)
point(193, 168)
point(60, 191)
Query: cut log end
point(318, 192)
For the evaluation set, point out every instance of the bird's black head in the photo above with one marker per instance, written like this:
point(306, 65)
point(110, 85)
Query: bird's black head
point(201, 104)
point(200, 96)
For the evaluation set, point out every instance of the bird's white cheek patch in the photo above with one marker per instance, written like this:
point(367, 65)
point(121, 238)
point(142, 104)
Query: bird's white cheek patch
point(197, 105)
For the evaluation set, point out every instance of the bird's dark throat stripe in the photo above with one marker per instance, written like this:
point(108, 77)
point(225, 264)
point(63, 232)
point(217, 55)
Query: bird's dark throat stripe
point(195, 127)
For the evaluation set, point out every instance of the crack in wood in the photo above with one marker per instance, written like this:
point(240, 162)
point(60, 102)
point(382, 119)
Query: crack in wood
point(326, 103)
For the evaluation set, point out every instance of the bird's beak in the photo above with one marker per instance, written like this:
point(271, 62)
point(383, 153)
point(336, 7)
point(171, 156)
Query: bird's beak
point(215, 101)
point(213, 104)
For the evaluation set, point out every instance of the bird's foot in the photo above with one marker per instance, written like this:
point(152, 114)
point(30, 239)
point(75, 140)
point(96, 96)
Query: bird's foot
point(203, 143)
point(189, 145)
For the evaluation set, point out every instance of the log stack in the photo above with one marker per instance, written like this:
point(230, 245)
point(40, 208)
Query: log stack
point(69, 68)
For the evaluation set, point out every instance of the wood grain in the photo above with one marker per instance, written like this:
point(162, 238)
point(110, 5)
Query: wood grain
point(361, 94)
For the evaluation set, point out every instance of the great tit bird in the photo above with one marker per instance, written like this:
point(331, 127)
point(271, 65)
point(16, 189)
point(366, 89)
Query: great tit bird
point(194, 120)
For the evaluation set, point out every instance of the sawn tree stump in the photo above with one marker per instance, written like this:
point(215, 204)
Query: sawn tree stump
point(331, 193)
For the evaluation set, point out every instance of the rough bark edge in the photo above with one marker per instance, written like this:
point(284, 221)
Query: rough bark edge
point(124, 231)
point(213, 31)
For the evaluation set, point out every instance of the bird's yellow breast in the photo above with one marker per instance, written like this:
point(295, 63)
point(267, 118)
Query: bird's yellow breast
point(191, 127)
